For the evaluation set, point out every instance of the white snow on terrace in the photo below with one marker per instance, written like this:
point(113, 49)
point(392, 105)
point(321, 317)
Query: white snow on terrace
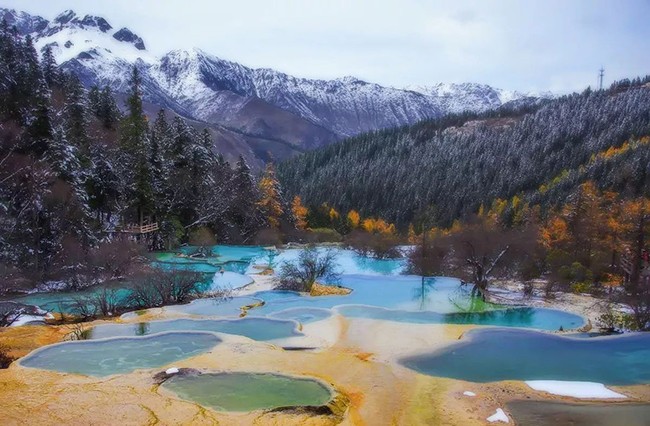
point(498, 416)
point(25, 319)
point(87, 39)
point(574, 389)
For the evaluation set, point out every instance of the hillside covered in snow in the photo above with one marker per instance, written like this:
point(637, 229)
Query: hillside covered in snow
point(260, 113)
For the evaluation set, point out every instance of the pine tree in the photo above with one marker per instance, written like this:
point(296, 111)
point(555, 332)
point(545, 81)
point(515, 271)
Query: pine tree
point(36, 98)
point(134, 143)
point(49, 66)
point(108, 112)
point(243, 212)
point(104, 184)
point(75, 114)
point(94, 100)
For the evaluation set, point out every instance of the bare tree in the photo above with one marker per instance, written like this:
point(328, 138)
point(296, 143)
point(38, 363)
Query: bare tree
point(481, 252)
point(10, 312)
point(310, 266)
point(159, 288)
point(380, 246)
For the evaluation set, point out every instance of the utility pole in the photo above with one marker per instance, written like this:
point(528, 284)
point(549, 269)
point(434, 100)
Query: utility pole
point(601, 74)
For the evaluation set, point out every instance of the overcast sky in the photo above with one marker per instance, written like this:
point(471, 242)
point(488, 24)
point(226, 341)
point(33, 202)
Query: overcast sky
point(556, 45)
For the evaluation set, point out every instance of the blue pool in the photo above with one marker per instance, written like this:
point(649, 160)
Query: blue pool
point(120, 355)
point(505, 354)
point(254, 328)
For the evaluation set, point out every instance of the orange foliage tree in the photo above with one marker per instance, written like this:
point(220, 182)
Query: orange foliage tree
point(299, 212)
point(354, 219)
point(269, 202)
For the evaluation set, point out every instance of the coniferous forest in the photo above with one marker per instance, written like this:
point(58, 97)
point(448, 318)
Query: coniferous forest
point(538, 153)
point(76, 168)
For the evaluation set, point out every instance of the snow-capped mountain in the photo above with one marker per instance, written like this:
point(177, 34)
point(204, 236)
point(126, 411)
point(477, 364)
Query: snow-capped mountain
point(284, 114)
point(472, 96)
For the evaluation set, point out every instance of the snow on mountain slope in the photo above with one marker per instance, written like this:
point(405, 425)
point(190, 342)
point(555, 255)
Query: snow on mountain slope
point(262, 103)
point(472, 96)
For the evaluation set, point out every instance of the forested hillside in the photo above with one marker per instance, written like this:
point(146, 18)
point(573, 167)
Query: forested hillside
point(458, 163)
point(75, 172)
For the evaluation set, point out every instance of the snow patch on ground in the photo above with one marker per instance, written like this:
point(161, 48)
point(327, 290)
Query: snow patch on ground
point(469, 393)
point(25, 319)
point(574, 389)
point(498, 416)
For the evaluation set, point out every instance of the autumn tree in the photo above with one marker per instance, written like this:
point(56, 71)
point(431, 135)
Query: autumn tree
point(299, 213)
point(269, 202)
point(354, 219)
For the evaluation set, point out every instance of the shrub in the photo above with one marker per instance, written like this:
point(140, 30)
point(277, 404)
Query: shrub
point(582, 287)
point(5, 359)
point(311, 265)
point(324, 235)
point(158, 288)
point(268, 237)
point(381, 246)
point(529, 289)
point(203, 238)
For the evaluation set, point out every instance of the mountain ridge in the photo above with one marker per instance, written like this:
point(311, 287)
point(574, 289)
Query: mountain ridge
point(256, 102)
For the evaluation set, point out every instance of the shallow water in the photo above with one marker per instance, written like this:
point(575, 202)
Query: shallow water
point(303, 315)
point(547, 413)
point(230, 307)
point(538, 318)
point(254, 328)
point(348, 261)
point(66, 301)
point(249, 391)
point(120, 355)
point(505, 354)
point(404, 292)
point(395, 298)
point(375, 284)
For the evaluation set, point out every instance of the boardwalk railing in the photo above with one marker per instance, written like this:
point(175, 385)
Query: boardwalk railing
point(140, 229)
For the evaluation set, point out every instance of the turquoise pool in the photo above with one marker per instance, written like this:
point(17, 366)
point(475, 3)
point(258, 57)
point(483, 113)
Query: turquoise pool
point(538, 318)
point(254, 328)
point(120, 355)
point(230, 307)
point(505, 354)
point(249, 391)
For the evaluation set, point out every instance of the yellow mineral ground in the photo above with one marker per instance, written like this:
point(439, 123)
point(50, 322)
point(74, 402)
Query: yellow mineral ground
point(328, 290)
point(357, 357)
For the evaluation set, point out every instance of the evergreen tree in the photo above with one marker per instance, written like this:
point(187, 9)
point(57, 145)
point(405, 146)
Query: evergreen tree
point(108, 112)
point(35, 99)
point(94, 100)
point(75, 114)
point(243, 212)
point(134, 143)
point(50, 69)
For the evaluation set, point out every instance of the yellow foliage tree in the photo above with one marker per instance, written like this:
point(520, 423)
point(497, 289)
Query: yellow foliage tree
point(412, 236)
point(354, 218)
point(299, 212)
point(378, 226)
point(269, 202)
point(334, 215)
point(555, 233)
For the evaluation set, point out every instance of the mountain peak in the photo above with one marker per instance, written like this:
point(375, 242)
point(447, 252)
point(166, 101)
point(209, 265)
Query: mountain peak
point(65, 17)
point(128, 36)
point(24, 22)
